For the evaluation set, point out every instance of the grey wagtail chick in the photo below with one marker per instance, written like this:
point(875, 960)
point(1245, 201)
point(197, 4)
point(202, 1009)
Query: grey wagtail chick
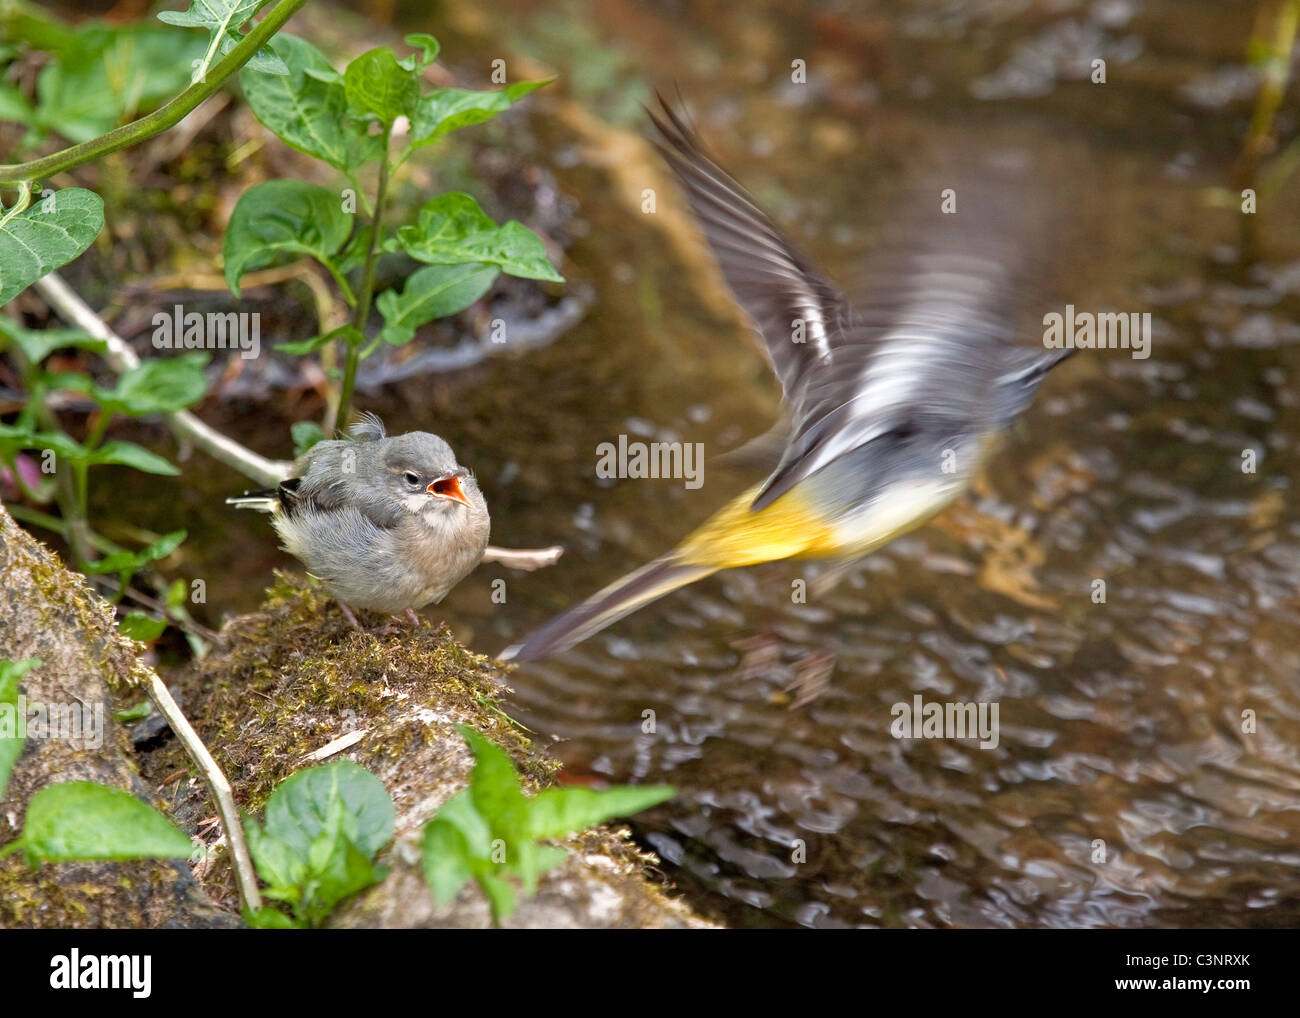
point(892, 405)
point(386, 524)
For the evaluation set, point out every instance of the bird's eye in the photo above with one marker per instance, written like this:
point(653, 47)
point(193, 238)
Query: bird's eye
point(411, 478)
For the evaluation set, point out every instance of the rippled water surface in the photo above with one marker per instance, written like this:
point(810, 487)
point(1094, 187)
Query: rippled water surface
point(1123, 790)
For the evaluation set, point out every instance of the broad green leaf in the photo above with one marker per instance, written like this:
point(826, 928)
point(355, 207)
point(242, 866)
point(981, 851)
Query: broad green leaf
point(279, 866)
point(433, 292)
point(494, 785)
point(307, 108)
point(443, 110)
point(283, 217)
point(11, 742)
point(46, 235)
point(157, 385)
point(305, 435)
point(130, 561)
point(138, 625)
point(559, 812)
point(297, 811)
point(221, 19)
point(128, 454)
point(37, 344)
point(106, 74)
point(446, 856)
point(452, 229)
point(377, 86)
point(81, 820)
point(336, 868)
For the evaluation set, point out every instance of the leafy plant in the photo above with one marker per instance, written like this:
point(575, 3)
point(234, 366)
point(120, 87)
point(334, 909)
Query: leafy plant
point(490, 832)
point(155, 386)
point(76, 821)
point(348, 120)
point(324, 825)
point(11, 741)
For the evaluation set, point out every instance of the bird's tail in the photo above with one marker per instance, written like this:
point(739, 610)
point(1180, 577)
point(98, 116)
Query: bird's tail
point(264, 500)
point(652, 581)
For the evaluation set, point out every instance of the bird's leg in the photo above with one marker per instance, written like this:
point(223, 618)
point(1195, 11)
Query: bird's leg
point(412, 618)
point(352, 619)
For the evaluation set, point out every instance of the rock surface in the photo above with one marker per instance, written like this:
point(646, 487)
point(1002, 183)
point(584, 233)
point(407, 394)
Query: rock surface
point(47, 612)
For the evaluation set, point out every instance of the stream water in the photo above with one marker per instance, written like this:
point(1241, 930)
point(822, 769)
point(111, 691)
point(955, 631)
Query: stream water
point(1147, 769)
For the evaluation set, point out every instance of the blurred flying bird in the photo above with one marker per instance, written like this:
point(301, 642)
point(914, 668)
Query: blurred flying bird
point(386, 524)
point(892, 405)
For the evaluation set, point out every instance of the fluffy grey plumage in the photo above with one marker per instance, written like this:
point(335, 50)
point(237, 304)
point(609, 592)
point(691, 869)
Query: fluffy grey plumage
point(387, 524)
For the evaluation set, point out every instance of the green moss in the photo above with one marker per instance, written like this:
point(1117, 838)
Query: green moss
point(295, 676)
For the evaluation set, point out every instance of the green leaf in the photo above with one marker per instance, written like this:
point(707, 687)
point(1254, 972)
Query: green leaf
point(283, 217)
point(221, 19)
point(432, 292)
point(37, 344)
point(297, 810)
point(337, 868)
point(138, 625)
point(443, 110)
point(14, 439)
point(460, 842)
point(559, 812)
point(377, 86)
point(428, 46)
point(138, 712)
point(267, 918)
point(106, 74)
point(82, 820)
point(128, 454)
point(305, 435)
point(158, 385)
point(130, 561)
point(453, 229)
point(307, 108)
point(11, 743)
point(46, 235)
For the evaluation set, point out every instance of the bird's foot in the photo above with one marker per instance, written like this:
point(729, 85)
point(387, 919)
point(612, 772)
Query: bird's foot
point(384, 630)
point(412, 618)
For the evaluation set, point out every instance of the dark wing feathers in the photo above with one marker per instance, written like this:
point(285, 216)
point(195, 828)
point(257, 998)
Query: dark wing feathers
point(774, 282)
point(935, 343)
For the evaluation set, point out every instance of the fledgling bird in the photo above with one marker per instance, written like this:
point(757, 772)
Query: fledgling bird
point(892, 405)
point(389, 524)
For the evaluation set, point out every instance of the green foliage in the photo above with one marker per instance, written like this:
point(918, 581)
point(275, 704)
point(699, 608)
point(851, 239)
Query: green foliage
point(221, 19)
point(39, 238)
point(346, 120)
point(432, 292)
point(80, 820)
point(324, 825)
point(305, 435)
point(11, 742)
point(490, 832)
point(99, 76)
point(283, 217)
point(453, 230)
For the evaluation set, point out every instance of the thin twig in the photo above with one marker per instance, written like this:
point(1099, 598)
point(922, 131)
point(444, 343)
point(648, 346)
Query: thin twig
point(218, 785)
point(121, 358)
point(526, 559)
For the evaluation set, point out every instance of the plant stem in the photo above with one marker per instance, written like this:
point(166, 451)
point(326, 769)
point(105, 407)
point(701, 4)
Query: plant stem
point(218, 785)
point(185, 426)
point(161, 119)
point(362, 311)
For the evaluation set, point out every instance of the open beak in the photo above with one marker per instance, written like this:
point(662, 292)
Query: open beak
point(449, 486)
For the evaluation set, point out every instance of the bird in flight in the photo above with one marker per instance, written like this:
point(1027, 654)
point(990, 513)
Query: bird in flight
point(892, 405)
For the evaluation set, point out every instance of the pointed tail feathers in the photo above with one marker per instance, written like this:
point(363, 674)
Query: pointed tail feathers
point(606, 607)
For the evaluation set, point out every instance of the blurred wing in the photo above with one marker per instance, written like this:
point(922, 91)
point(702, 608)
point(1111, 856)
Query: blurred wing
point(934, 344)
point(774, 282)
